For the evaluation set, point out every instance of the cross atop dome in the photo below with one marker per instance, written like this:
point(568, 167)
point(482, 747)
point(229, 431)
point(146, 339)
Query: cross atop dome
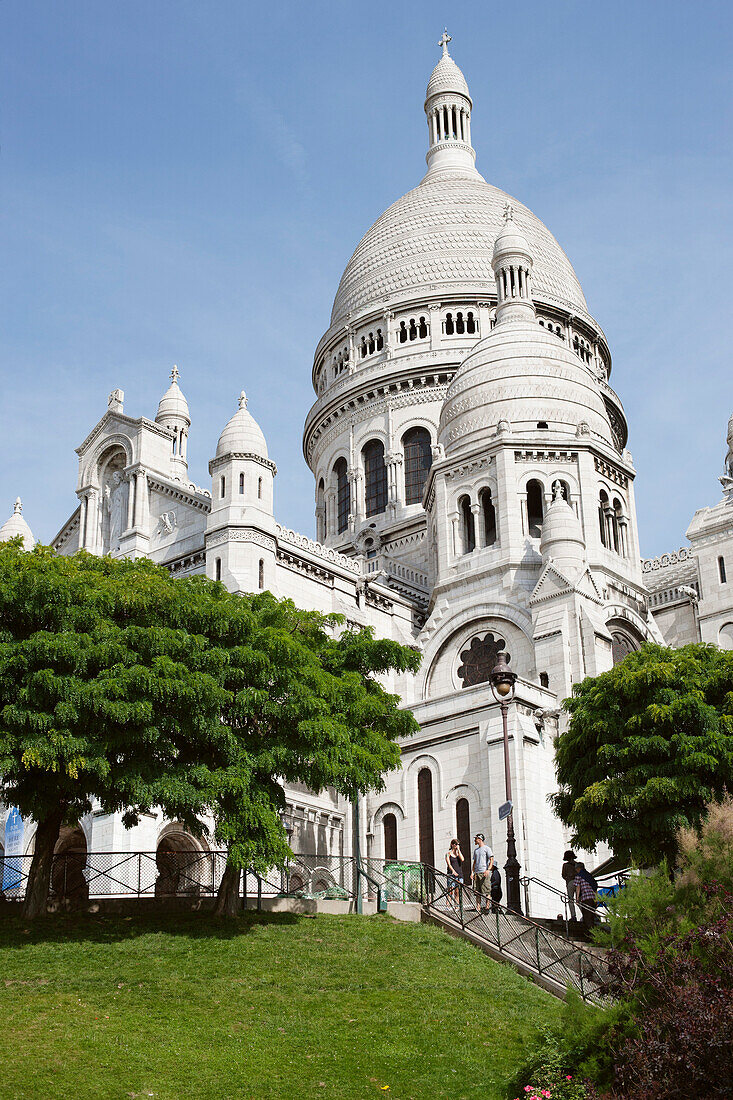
point(508, 213)
point(445, 38)
point(175, 374)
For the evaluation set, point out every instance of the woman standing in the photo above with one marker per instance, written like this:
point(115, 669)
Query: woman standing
point(569, 869)
point(454, 863)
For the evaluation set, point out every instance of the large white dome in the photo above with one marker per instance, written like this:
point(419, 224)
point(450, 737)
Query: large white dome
point(440, 237)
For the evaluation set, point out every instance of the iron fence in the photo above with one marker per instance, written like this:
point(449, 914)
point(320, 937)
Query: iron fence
point(517, 937)
point(83, 876)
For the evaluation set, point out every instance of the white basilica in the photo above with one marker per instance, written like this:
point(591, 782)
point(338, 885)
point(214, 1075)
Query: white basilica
point(474, 494)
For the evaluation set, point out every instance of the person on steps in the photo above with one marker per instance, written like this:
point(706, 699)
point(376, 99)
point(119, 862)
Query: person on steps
point(568, 873)
point(454, 863)
point(586, 894)
point(483, 861)
point(496, 891)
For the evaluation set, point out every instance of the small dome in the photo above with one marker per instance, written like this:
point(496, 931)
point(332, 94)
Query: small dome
point(525, 374)
point(242, 435)
point(447, 77)
point(173, 404)
point(562, 536)
point(16, 525)
point(510, 238)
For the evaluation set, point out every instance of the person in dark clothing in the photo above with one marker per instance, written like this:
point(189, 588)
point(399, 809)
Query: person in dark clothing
point(568, 873)
point(496, 890)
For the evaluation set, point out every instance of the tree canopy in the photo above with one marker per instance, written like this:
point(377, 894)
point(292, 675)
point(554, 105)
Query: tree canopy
point(123, 686)
point(648, 747)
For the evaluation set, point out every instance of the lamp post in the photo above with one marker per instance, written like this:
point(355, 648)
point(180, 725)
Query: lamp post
point(502, 681)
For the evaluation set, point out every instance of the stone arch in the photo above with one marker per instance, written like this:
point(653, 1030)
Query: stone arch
point(181, 862)
point(110, 443)
point(626, 636)
point(725, 636)
point(68, 880)
point(466, 622)
point(409, 779)
point(388, 814)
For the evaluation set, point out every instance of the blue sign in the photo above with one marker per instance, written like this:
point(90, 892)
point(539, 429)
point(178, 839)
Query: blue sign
point(12, 863)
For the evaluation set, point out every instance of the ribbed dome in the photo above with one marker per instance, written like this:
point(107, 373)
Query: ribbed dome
point(440, 238)
point(447, 77)
point(522, 373)
point(242, 435)
point(173, 404)
point(17, 525)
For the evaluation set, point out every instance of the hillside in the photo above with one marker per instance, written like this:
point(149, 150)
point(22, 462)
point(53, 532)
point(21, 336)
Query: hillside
point(184, 1006)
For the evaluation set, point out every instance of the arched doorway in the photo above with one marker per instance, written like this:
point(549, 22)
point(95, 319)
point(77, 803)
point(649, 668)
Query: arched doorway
point(463, 832)
point(68, 880)
point(425, 816)
point(389, 825)
point(182, 864)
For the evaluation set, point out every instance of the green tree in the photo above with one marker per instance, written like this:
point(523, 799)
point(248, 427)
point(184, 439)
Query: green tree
point(305, 706)
point(121, 685)
point(648, 747)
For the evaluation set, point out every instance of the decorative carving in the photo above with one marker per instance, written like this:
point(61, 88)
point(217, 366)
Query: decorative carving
point(545, 456)
point(240, 535)
point(607, 469)
point(665, 560)
point(480, 658)
point(292, 537)
point(166, 523)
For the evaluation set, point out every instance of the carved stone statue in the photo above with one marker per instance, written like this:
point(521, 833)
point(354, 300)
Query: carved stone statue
point(115, 503)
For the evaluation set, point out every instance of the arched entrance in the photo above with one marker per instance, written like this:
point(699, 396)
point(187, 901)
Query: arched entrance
point(182, 864)
point(68, 880)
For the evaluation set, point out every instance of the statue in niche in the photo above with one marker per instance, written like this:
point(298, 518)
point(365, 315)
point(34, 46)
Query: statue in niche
point(558, 490)
point(479, 659)
point(115, 509)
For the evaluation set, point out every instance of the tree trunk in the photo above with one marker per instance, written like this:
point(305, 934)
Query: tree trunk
point(227, 899)
point(39, 876)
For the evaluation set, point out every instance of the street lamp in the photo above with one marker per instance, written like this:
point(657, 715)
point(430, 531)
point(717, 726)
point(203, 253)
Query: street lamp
point(502, 681)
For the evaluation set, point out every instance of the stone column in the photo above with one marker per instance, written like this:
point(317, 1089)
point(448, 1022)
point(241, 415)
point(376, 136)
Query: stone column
point(330, 513)
point(130, 479)
point(388, 318)
point(141, 499)
point(436, 335)
point(454, 518)
point(356, 510)
point(82, 521)
point(352, 348)
point(93, 521)
point(394, 486)
point(478, 527)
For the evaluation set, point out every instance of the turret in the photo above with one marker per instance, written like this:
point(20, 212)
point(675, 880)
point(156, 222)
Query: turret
point(562, 539)
point(512, 264)
point(173, 414)
point(448, 107)
point(241, 523)
point(17, 525)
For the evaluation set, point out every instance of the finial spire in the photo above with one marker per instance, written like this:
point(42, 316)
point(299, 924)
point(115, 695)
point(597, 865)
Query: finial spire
point(243, 400)
point(445, 38)
point(175, 373)
point(18, 509)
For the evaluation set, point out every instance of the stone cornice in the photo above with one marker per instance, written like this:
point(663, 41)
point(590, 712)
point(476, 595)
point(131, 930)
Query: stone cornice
point(241, 456)
point(67, 530)
point(132, 422)
point(192, 496)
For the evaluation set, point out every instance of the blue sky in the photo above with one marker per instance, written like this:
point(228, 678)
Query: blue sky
point(184, 183)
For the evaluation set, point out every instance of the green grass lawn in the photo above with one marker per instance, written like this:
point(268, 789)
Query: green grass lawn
point(183, 1006)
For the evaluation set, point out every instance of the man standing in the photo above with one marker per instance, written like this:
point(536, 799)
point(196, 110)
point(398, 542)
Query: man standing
point(483, 862)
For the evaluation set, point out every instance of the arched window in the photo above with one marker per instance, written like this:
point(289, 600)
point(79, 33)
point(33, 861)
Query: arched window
point(418, 460)
point(363, 347)
point(479, 659)
point(422, 328)
point(259, 488)
point(463, 833)
point(380, 340)
point(470, 323)
point(468, 530)
point(603, 507)
point(535, 508)
point(241, 484)
point(488, 517)
point(261, 574)
point(175, 441)
point(371, 345)
point(460, 327)
point(413, 329)
point(621, 646)
point(321, 518)
point(343, 494)
point(449, 330)
point(222, 487)
point(402, 334)
point(375, 478)
point(619, 524)
point(389, 825)
point(217, 569)
point(425, 816)
point(721, 570)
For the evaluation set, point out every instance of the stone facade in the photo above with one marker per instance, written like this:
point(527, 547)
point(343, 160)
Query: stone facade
point(474, 494)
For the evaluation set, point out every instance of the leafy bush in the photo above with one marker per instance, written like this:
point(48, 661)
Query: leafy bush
point(583, 1046)
point(683, 1002)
